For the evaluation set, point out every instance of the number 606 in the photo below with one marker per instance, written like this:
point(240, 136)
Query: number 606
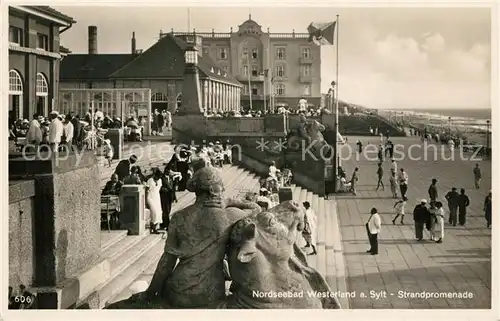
point(23, 299)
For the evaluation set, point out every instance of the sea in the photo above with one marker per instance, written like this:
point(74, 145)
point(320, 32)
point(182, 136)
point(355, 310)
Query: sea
point(460, 118)
point(479, 114)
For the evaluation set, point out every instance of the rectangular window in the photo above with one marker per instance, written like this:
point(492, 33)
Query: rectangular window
point(307, 90)
point(280, 90)
point(245, 89)
point(16, 35)
point(245, 52)
point(280, 53)
point(306, 71)
point(223, 53)
point(245, 70)
point(255, 53)
point(306, 53)
point(280, 71)
point(42, 42)
point(225, 68)
point(205, 51)
point(255, 91)
point(255, 72)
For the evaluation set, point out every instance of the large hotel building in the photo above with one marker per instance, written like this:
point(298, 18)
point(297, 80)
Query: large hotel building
point(275, 69)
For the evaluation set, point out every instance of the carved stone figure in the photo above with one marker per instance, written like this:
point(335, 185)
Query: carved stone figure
point(306, 133)
point(264, 260)
point(190, 273)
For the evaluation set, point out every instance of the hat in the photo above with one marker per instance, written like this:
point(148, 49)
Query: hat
point(263, 189)
point(306, 204)
point(210, 144)
point(54, 113)
point(423, 201)
point(133, 158)
point(217, 142)
point(107, 141)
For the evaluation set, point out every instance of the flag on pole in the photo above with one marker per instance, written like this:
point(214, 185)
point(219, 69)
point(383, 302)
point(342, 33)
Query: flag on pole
point(321, 33)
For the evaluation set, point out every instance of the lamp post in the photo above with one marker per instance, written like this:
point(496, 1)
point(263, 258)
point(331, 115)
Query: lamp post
point(488, 138)
point(449, 125)
point(336, 160)
point(191, 91)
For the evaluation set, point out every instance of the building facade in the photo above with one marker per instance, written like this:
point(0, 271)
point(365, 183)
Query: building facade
point(159, 68)
point(34, 59)
point(272, 67)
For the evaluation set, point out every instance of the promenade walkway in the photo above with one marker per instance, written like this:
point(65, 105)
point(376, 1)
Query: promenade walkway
point(461, 263)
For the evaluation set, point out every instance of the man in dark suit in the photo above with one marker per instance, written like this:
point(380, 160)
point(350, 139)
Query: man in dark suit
point(420, 216)
point(167, 196)
point(123, 168)
point(113, 186)
point(78, 132)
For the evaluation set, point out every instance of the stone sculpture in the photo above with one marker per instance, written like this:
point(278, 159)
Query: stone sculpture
point(190, 272)
point(306, 133)
point(265, 261)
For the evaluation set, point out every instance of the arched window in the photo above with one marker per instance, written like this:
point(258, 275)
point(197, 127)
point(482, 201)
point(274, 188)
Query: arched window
point(42, 87)
point(135, 96)
point(15, 83)
point(159, 98)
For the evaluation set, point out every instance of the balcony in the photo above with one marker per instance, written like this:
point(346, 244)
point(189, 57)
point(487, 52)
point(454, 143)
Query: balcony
point(306, 79)
point(306, 61)
point(243, 78)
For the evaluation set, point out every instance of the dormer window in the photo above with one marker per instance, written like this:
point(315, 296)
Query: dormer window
point(218, 72)
point(212, 70)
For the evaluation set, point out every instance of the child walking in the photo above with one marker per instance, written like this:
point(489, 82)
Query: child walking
point(400, 210)
point(108, 151)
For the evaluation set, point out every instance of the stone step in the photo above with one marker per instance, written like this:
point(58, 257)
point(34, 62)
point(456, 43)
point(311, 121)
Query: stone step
point(339, 270)
point(120, 263)
point(127, 276)
point(322, 230)
point(121, 247)
point(110, 238)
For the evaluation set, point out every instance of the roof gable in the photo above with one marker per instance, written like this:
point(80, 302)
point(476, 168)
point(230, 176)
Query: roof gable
point(165, 59)
point(88, 67)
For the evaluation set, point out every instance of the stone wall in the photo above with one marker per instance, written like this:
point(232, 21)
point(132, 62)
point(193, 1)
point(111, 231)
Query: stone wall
point(65, 210)
point(21, 232)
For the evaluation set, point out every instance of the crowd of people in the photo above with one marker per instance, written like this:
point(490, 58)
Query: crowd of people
point(162, 184)
point(309, 112)
point(429, 214)
point(54, 132)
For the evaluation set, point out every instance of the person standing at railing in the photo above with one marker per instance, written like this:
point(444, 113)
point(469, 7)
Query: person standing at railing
point(56, 130)
point(68, 133)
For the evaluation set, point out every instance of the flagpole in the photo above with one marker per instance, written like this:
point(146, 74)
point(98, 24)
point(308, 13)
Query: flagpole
point(336, 93)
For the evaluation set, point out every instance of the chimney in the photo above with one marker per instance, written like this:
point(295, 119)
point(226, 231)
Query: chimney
point(92, 40)
point(134, 51)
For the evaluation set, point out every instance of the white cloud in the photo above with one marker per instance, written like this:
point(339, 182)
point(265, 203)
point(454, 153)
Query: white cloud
point(396, 71)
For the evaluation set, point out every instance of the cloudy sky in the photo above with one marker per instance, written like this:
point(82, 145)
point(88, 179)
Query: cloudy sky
point(389, 58)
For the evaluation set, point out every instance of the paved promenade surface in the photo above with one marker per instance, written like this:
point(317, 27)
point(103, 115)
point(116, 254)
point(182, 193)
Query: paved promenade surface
point(461, 263)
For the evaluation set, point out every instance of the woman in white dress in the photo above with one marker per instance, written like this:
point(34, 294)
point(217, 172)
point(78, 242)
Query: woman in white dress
point(439, 228)
point(309, 232)
point(154, 185)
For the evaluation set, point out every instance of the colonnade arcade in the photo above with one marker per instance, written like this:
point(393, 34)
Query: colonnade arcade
point(219, 96)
